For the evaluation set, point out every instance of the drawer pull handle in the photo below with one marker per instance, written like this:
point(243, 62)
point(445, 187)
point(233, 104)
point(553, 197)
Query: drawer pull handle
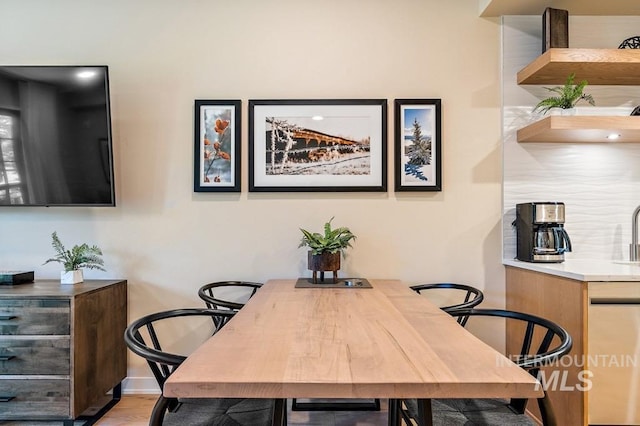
point(6, 357)
point(6, 398)
point(7, 317)
point(615, 301)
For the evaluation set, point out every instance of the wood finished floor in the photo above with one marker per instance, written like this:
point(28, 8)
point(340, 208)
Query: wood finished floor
point(134, 410)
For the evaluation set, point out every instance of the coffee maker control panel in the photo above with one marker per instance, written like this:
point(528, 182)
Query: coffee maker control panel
point(548, 212)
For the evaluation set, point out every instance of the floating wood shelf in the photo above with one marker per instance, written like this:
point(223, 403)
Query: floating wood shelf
point(496, 8)
point(597, 66)
point(589, 129)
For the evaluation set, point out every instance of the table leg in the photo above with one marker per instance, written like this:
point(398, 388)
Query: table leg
point(394, 413)
point(116, 394)
point(424, 412)
point(280, 415)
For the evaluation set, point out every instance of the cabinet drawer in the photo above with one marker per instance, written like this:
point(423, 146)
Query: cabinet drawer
point(34, 399)
point(34, 356)
point(34, 316)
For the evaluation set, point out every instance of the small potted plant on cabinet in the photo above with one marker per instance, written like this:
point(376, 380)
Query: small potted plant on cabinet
point(568, 96)
point(325, 249)
point(80, 256)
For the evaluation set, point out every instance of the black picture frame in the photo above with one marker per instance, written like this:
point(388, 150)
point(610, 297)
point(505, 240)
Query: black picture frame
point(418, 168)
point(319, 145)
point(217, 147)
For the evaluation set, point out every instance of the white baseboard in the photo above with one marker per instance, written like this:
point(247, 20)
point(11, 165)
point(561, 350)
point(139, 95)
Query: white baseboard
point(140, 385)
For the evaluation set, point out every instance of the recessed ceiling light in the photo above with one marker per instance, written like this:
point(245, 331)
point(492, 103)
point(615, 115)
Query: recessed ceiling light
point(613, 136)
point(317, 117)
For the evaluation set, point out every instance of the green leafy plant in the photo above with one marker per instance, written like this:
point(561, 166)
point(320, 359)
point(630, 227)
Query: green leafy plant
point(80, 256)
point(568, 96)
point(333, 240)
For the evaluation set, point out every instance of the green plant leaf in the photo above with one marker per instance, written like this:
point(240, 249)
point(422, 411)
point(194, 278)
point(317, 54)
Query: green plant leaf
point(80, 256)
point(333, 240)
point(568, 96)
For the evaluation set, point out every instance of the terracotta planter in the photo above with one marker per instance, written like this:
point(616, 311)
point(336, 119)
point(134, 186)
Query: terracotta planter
point(324, 262)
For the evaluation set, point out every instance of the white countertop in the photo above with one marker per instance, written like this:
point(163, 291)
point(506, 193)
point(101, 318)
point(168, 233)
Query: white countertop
point(584, 269)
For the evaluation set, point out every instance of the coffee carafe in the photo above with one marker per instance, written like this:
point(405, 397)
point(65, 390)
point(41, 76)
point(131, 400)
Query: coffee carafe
point(540, 232)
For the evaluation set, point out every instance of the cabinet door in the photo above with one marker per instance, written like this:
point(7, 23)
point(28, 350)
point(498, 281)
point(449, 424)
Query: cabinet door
point(560, 300)
point(614, 353)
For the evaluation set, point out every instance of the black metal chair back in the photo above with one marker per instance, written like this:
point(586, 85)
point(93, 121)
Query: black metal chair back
point(210, 293)
point(163, 363)
point(142, 339)
point(534, 353)
point(472, 296)
point(543, 342)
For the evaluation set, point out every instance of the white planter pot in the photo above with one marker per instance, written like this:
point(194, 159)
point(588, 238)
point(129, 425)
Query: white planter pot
point(562, 111)
point(71, 277)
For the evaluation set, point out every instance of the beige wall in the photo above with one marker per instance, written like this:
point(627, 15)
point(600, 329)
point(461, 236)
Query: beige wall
point(167, 240)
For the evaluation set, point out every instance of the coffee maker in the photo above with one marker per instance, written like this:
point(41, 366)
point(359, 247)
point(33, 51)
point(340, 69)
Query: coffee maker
point(541, 236)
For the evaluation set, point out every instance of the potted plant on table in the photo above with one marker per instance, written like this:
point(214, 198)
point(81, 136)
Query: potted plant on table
point(568, 96)
point(325, 249)
point(80, 256)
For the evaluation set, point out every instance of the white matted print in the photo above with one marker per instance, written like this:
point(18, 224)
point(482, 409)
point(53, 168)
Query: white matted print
point(217, 146)
point(418, 155)
point(317, 145)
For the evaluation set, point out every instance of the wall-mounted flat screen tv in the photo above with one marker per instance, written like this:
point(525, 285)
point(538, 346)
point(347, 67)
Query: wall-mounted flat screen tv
point(55, 136)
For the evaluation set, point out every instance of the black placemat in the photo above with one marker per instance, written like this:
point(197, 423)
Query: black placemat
point(342, 283)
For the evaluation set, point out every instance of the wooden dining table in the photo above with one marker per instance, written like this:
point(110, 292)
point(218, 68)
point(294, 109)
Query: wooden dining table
point(380, 342)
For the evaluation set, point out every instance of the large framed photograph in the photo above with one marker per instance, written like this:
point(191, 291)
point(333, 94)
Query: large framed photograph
point(418, 157)
point(318, 145)
point(217, 146)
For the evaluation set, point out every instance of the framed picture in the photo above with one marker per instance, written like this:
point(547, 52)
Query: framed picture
point(318, 145)
point(418, 156)
point(217, 146)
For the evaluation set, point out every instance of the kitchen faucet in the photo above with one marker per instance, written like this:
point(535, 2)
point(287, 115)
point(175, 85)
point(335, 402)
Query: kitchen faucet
point(634, 247)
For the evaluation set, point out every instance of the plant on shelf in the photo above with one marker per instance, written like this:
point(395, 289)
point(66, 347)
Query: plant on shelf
point(325, 249)
point(568, 96)
point(80, 256)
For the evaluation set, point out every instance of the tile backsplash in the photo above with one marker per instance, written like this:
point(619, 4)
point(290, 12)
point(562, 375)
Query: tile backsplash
point(599, 183)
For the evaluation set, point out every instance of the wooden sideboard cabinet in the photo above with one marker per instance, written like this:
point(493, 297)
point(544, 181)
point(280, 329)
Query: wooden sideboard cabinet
point(61, 349)
point(597, 383)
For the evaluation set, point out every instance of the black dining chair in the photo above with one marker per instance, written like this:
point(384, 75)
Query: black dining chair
point(228, 294)
point(531, 357)
point(470, 296)
point(143, 338)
